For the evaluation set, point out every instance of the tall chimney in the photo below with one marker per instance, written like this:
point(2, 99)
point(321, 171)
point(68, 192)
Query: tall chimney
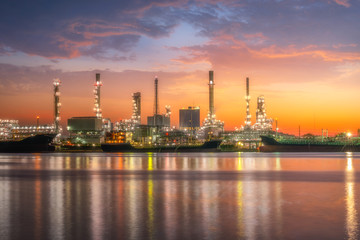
point(156, 103)
point(211, 94)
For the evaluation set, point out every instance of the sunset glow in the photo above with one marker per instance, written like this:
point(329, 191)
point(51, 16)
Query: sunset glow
point(303, 56)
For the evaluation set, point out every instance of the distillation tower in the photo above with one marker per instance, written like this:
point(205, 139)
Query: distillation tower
point(97, 85)
point(136, 115)
point(262, 122)
point(167, 111)
point(247, 98)
point(211, 126)
point(57, 105)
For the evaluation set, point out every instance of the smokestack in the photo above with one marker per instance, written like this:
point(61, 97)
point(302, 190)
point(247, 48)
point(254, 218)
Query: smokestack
point(57, 104)
point(97, 85)
point(211, 93)
point(37, 123)
point(248, 116)
point(156, 103)
point(247, 87)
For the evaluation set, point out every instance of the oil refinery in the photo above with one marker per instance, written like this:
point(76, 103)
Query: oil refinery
point(89, 132)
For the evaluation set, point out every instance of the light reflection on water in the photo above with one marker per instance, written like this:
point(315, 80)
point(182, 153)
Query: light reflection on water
point(179, 196)
point(351, 213)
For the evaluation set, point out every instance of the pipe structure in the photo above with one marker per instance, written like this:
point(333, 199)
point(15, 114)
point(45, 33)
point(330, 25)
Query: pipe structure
point(248, 115)
point(261, 111)
point(211, 94)
point(136, 98)
point(97, 85)
point(57, 105)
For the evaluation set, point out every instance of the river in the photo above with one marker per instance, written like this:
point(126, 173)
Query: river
point(180, 196)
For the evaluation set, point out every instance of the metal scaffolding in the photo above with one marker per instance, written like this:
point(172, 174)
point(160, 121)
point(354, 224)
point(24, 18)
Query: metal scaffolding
point(57, 104)
point(97, 86)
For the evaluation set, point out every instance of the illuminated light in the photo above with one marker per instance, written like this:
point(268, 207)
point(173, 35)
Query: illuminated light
point(240, 163)
point(349, 165)
point(349, 134)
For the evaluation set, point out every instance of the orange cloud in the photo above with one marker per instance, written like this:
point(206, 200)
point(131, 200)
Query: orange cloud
point(202, 53)
point(291, 51)
point(344, 3)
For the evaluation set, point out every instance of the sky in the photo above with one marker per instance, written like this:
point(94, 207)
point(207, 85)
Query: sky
point(302, 55)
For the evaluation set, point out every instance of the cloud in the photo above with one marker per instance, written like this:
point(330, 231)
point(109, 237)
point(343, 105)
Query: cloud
point(113, 31)
point(15, 80)
point(52, 31)
point(344, 3)
point(4, 50)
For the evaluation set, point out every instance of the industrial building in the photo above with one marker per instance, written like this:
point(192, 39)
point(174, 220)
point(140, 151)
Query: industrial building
point(21, 132)
point(85, 130)
point(6, 126)
point(158, 120)
point(189, 119)
point(145, 135)
point(10, 129)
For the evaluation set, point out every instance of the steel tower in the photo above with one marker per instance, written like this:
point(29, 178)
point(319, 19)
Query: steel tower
point(97, 85)
point(57, 105)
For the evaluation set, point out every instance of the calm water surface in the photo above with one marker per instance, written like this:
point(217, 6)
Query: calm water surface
point(180, 196)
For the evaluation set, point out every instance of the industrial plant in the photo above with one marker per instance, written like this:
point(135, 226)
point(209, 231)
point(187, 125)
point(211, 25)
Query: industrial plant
point(248, 136)
point(211, 126)
point(95, 130)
